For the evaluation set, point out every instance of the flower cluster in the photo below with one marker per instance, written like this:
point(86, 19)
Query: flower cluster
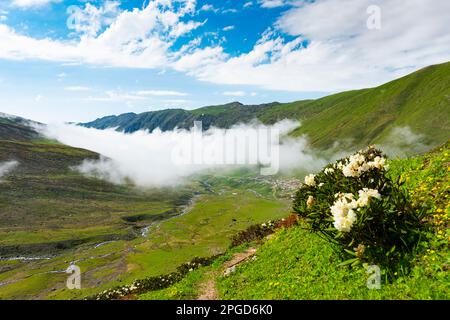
point(357, 164)
point(310, 180)
point(343, 209)
point(354, 203)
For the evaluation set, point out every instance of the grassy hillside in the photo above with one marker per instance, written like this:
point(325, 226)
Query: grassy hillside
point(223, 116)
point(420, 101)
point(15, 128)
point(297, 264)
point(51, 215)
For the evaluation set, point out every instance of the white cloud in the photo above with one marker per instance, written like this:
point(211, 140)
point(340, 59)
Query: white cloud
point(403, 142)
point(7, 167)
point(38, 97)
point(235, 93)
point(182, 28)
point(77, 88)
point(91, 19)
point(161, 93)
point(341, 52)
point(32, 3)
point(116, 96)
point(248, 4)
point(3, 18)
point(228, 28)
point(230, 10)
point(129, 97)
point(272, 3)
point(208, 7)
point(132, 156)
point(135, 39)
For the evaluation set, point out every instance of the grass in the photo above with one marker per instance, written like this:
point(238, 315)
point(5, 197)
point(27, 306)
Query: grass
point(358, 118)
point(297, 264)
point(46, 209)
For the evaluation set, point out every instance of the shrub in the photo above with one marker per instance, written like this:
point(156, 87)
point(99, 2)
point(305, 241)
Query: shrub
point(252, 233)
point(258, 232)
point(154, 283)
point(356, 206)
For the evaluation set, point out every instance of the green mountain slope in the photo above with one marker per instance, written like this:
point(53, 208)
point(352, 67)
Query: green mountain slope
point(294, 263)
point(420, 101)
point(52, 215)
point(46, 206)
point(222, 116)
point(15, 128)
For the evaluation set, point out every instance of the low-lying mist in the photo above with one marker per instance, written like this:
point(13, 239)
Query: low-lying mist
point(6, 167)
point(403, 142)
point(168, 158)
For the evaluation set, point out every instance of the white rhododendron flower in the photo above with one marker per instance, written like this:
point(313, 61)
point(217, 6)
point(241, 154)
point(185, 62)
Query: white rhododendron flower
point(345, 223)
point(365, 195)
point(378, 163)
point(310, 180)
point(343, 212)
point(343, 208)
point(328, 170)
point(355, 166)
point(339, 166)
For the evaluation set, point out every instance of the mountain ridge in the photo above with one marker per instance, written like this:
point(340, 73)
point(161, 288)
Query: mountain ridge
point(419, 100)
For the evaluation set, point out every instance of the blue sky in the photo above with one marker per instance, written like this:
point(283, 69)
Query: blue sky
point(79, 60)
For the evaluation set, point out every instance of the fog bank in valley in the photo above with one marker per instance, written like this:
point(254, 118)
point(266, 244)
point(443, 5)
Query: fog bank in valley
point(168, 158)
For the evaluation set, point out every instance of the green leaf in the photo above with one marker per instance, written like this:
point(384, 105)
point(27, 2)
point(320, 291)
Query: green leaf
point(347, 262)
point(350, 252)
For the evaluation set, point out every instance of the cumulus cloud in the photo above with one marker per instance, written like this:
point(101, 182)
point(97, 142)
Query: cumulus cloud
point(326, 51)
point(91, 19)
point(272, 3)
point(7, 167)
point(168, 158)
point(140, 38)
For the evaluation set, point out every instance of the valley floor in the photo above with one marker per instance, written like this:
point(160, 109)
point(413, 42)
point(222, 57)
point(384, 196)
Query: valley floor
point(201, 228)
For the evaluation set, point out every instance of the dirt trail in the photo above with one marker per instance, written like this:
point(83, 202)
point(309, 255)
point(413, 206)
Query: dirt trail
point(208, 290)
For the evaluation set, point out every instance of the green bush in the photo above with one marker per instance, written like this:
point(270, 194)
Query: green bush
point(356, 206)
